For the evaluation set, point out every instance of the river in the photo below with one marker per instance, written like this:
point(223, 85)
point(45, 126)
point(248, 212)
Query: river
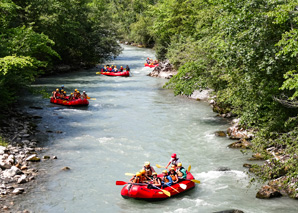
point(134, 120)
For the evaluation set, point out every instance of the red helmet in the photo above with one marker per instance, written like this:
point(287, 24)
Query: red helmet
point(173, 155)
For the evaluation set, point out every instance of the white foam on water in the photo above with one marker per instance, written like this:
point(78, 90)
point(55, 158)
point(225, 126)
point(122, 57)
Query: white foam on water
point(213, 175)
point(105, 140)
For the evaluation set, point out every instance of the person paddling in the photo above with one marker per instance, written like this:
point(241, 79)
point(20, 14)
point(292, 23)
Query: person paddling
point(166, 179)
point(156, 181)
point(181, 171)
point(174, 160)
point(148, 169)
point(56, 94)
point(136, 178)
point(173, 175)
point(127, 68)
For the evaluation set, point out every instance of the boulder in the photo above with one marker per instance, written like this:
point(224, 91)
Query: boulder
point(22, 179)
point(9, 173)
point(241, 144)
point(200, 95)
point(3, 150)
point(163, 70)
point(267, 192)
point(33, 158)
point(230, 211)
point(18, 191)
point(220, 134)
point(236, 132)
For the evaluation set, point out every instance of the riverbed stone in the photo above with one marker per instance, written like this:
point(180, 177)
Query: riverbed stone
point(9, 173)
point(220, 134)
point(2, 150)
point(241, 144)
point(267, 192)
point(33, 158)
point(22, 179)
point(65, 168)
point(230, 211)
point(18, 191)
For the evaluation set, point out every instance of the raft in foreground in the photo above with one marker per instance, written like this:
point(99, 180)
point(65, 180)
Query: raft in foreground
point(141, 192)
point(124, 74)
point(75, 102)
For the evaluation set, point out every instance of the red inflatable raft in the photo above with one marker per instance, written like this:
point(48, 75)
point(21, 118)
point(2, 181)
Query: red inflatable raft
point(75, 102)
point(140, 191)
point(150, 65)
point(125, 73)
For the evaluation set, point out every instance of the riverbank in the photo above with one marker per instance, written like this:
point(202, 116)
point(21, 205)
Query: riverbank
point(279, 183)
point(20, 153)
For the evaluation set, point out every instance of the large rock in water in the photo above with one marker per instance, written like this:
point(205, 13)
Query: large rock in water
point(9, 173)
point(163, 70)
point(267, 192)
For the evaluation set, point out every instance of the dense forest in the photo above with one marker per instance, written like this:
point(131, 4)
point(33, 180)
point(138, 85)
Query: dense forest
point(246, 51)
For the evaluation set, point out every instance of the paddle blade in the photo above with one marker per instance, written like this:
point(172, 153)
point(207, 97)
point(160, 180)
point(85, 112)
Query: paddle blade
point(93, 99)
point(189, 168)
point(183, 186)
point(129, 174)
point(167, 193)
point(121, 183)
point(196, 181)
point(159, 166)
point(98, 73)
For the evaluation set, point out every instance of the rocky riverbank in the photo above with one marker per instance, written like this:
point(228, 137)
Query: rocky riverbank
point(19, 156)
point(276, 187)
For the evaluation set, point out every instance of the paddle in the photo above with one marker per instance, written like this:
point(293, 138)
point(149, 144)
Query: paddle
point(129, 174)
point(174, 189)
point(195, 181)
point(159, 166)
point(124, 183)
point(189, 168)
point(167, 193)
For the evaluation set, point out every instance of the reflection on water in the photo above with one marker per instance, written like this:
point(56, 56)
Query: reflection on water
point(134, 120)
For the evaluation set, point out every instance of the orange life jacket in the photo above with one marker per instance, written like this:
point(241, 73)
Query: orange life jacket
point(165, 179)
point(173, 176)
point(136, 180)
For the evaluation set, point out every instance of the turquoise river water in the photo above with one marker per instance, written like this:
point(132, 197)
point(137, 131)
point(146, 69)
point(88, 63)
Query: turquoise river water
point(134, 120)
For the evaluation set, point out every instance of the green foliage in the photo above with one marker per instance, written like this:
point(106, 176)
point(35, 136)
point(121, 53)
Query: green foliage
point(3, 142)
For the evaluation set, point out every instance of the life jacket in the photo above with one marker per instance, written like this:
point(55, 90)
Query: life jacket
point(155, 180)
point(143, 178)
point(165, 179)
point(180, 174)
point(148, 171)
point(173, 176)
point(174, 162)
point(136, 180)
point(110, 69)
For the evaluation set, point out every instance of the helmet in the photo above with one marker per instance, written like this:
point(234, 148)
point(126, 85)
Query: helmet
point(62, 86)
point(147, 163)
point(71, 93)
point(165, 171)
point(147, 57)
point(121, 66)
point(142, 171)
point(84, 91)
point(57, 89)
point(138, 174)
point(76, 89)
point(154, 173)
point(172, 168)
point(173, 155)
point(65, 92)
point(179, 164)
point(62, 90)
